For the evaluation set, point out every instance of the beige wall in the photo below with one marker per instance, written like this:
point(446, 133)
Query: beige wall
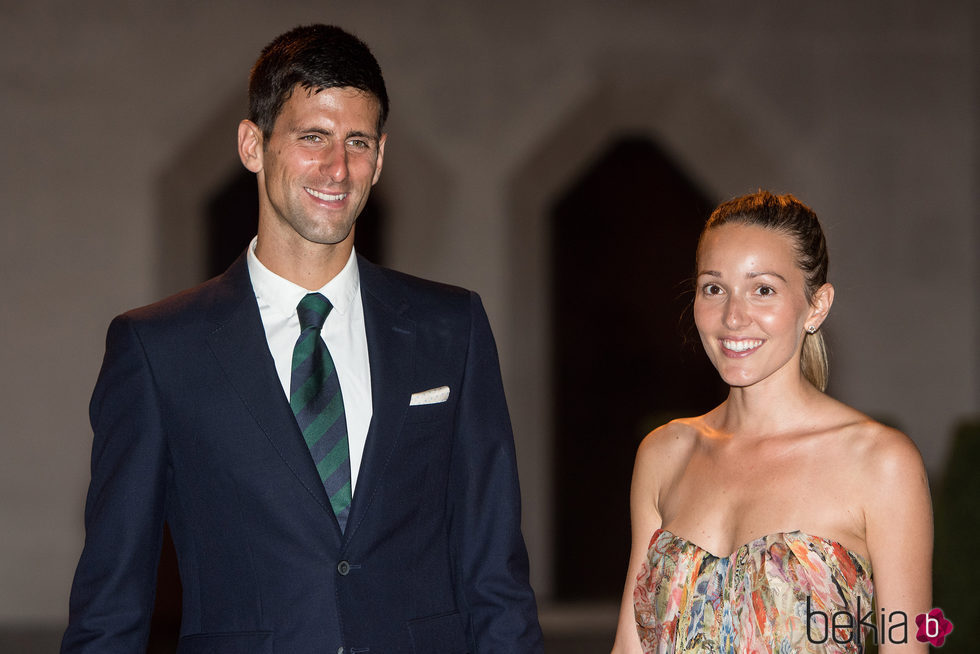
point(116, 120)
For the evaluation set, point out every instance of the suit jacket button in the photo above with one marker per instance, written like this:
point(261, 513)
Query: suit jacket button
point(343, 568)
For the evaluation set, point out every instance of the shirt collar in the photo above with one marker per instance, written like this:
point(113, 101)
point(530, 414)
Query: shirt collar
point(283, 295)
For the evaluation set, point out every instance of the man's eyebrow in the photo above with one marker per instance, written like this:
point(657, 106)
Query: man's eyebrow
point(311, 130)
point(327, 132)
point(358, 133)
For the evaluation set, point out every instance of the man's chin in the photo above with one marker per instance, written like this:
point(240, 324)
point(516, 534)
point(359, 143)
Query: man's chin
point(332, 235)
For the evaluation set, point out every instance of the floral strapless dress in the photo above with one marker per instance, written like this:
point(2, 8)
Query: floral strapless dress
point(778, 593)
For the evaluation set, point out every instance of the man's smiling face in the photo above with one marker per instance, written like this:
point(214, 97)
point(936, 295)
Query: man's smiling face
point(318, 165)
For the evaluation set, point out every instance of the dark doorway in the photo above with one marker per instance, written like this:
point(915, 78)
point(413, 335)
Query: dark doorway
point(233, 219)
point(623, 238)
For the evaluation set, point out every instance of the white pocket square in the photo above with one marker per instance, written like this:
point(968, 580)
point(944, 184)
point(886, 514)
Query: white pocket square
point(431, 396)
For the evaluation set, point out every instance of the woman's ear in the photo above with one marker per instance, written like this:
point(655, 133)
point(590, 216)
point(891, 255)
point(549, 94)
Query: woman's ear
point(820, 305)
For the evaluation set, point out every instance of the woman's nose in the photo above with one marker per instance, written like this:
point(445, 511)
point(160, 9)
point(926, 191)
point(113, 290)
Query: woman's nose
point(735, 316)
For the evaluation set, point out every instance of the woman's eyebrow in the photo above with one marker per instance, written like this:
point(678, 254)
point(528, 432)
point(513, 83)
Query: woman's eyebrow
point(760, 274)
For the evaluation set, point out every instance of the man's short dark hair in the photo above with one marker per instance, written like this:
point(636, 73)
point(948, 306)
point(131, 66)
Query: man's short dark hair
point(315, 57)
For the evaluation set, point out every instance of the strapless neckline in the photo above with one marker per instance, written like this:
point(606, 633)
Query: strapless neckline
point(756, 600)
point(776, 534)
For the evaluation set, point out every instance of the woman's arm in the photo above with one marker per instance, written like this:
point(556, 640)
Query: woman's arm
point(898, 519)
point(645, 519)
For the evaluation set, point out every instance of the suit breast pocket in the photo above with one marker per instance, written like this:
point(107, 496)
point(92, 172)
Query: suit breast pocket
point(241, 642)
point(443, 633)
point(429, 412)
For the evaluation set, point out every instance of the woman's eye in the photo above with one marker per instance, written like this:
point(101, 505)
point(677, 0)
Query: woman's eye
point(711, 289)
point(766, 291)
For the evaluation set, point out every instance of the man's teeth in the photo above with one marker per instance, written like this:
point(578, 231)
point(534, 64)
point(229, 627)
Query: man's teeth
point(740, 346)
point(326, 196)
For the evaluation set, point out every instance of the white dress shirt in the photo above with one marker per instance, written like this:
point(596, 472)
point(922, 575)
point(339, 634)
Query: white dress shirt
point(343, 332)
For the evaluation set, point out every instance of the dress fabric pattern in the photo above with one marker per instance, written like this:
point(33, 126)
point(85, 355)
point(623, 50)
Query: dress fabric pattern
point(755, 600)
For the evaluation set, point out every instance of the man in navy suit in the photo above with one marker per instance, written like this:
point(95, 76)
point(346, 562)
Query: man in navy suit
point(406, 540)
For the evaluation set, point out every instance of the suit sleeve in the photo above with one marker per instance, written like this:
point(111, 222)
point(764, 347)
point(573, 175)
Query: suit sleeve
point(113, 591)
point(491, 556)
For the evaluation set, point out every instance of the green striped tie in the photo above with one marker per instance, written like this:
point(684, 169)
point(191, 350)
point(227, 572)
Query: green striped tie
point(314, 395)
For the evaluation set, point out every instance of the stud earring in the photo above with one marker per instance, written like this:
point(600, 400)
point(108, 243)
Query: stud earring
point(811, 329)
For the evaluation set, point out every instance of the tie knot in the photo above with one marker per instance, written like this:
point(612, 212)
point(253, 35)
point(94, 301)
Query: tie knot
point(312, 311)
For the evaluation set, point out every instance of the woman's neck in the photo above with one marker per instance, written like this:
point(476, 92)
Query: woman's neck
point(777, 405)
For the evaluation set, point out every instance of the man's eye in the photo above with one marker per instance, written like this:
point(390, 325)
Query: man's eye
point(358, 144)
point(312, 138)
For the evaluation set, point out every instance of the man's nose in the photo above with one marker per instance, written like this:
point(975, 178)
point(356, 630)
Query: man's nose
point(334, 163)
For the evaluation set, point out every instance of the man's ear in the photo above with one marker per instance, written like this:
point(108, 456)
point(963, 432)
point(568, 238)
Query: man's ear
point(250, 145)
point(381, 158)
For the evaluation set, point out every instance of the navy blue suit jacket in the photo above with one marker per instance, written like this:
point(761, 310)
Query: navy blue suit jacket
point(191, 426)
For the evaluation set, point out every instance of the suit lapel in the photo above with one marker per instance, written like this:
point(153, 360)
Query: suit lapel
point(239, 344)
point(391, 352)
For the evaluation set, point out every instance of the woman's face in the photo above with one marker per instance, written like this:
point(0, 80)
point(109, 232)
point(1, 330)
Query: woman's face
point(750, 305)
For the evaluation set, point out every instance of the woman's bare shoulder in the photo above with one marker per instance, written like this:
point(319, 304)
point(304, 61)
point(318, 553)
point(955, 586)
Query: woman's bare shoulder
point(662, 453)
point(883, 454)
point(670, 442)
point(889, 455)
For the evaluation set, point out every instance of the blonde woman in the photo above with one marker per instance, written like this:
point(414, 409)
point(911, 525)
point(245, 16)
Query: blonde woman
point(770, 523)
